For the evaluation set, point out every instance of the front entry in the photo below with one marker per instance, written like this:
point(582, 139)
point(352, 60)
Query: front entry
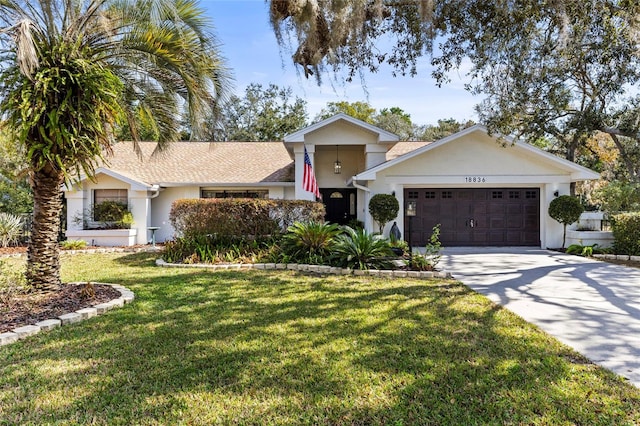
point(340, 204)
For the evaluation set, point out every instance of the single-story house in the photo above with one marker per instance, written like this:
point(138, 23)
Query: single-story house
point(482, 191)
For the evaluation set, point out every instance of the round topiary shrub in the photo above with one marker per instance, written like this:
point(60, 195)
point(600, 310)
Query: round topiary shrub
point(566, 210)
point(383, 208)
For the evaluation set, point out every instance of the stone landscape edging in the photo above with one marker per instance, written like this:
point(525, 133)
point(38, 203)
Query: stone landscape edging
point(126, 296)
point(623, 257)
point(321, 269)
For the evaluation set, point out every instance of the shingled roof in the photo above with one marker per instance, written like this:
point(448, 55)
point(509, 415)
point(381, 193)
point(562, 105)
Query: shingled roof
point(214, 162)
point(404, 147)
point(204, 163)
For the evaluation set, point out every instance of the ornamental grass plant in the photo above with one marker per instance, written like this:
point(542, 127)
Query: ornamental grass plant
point(10, 229)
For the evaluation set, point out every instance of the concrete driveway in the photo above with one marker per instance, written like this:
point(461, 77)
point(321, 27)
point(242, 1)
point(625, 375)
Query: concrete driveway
point(589, 305)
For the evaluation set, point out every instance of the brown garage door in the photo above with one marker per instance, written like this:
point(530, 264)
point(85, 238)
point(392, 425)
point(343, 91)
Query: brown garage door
point(476, 216)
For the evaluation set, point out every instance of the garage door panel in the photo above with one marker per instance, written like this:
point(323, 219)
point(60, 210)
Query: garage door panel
point(498, 222)
point(481, 222)
point(480, 238)
point(497, 208)
point(531, 238)
point(463, 236)
point(515, 209)
point(463, 195)
point(514, 238)
point(461, 223)
point(446, 237)
point(480, 208)
point(447, 220)
point(501, 216)
point(496, 237)
point(515, 222)
point(448, 208)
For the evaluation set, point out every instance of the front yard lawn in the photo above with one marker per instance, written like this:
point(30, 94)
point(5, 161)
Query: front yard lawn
point(280, 347)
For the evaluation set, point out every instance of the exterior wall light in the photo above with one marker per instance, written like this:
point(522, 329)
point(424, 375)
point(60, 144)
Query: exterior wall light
point(337, 166)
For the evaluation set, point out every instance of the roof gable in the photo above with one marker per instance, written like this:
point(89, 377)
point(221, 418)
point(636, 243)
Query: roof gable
point(382, 135)
point(531, 154)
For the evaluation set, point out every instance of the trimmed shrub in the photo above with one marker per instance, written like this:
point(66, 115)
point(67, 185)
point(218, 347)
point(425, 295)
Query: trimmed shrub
point(566, 210)
point(232, 218)
point(383, 208)
point(626, 233)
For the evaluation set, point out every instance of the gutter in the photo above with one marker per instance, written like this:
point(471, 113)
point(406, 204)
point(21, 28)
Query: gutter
point(367, 191)
point(156, 189)
point(355, 184)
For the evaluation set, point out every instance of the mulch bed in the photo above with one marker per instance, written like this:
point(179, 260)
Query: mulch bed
point(19, 309)
point(12, 250)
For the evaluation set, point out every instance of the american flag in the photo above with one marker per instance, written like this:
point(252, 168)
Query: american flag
point(309, 182)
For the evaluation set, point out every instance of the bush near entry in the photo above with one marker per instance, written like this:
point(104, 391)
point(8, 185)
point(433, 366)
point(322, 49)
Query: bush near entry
point(383, 208)
point(566, 210)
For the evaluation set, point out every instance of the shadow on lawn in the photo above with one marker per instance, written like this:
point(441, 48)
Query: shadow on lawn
point(260, 348)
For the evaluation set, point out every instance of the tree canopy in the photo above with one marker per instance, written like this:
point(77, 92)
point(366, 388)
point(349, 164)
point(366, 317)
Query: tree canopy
point(359, 109)
point(561, 70)
point(263, 114)
point(443, 128)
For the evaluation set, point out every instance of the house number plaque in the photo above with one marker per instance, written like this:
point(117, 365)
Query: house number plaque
point(475, 179)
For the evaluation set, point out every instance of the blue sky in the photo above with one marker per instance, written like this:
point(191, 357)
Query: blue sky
point(252, 53)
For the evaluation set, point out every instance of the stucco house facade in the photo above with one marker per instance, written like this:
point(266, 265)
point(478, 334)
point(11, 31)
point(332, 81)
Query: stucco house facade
point(482, 192)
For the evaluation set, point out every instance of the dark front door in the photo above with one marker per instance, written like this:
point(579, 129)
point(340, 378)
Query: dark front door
point(476, 216)
point(340, 204)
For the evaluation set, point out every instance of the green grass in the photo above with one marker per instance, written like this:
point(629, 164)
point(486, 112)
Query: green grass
point(198, 347)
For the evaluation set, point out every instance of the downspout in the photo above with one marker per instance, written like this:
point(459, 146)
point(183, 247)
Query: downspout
point(366, 190)
point(156, 189)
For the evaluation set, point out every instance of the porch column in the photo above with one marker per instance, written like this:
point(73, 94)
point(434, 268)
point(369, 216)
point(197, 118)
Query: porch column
point(75, 207)
point(140, 208)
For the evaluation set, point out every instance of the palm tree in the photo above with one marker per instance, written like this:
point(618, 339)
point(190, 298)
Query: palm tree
point(72, 71)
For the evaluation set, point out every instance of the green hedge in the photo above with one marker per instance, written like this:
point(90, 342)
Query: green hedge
point(626, 233)
point(240, 217)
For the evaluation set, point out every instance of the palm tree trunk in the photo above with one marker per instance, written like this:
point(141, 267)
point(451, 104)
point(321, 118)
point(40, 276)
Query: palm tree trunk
point(43, 255)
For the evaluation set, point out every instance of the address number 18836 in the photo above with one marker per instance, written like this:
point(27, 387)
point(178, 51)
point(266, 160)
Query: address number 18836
point(475, 179)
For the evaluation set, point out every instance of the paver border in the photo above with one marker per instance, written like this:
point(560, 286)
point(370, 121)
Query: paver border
point(318, 269)
point(126, 296)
